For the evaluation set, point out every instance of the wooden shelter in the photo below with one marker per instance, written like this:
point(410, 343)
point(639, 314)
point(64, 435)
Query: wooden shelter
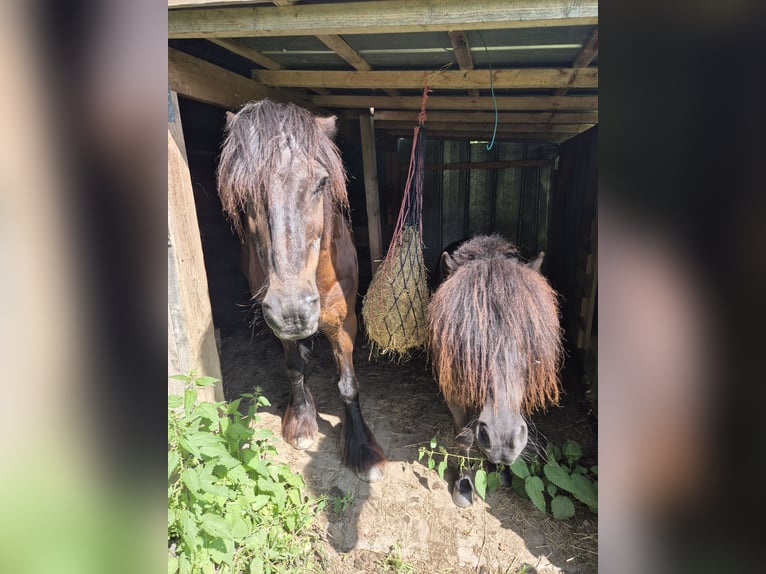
point(511, 120)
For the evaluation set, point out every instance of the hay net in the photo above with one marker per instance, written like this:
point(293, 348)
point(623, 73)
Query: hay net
point(394, 308)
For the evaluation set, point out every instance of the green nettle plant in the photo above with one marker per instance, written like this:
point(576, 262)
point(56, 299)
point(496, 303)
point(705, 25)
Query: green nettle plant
point(230, 507)
point(554, 479)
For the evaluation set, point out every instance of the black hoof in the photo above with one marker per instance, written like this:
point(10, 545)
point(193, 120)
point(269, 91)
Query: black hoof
point(462, 493)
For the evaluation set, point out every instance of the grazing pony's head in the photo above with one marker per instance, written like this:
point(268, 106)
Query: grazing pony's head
point(495, 341)
point(281, 179)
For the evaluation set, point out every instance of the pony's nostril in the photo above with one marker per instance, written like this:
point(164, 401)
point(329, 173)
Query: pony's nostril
point(483, 436)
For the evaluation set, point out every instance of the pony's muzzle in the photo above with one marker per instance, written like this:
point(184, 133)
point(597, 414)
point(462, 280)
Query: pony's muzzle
point(291, 316)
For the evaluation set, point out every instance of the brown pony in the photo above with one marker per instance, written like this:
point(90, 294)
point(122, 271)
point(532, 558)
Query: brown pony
point(282, 183)
point(496, 348)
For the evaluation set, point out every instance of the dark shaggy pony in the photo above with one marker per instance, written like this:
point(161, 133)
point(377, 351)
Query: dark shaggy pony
point(495, 344)
point(282, 183)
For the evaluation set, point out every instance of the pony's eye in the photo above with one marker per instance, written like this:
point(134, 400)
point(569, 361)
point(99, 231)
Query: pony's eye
point(322, 184)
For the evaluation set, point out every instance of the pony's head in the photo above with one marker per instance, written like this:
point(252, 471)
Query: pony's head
point(495, 342)
point(280, 178)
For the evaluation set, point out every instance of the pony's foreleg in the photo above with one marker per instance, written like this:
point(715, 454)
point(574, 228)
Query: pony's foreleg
point(299, 425)
point(359, 449)
point(462, 491)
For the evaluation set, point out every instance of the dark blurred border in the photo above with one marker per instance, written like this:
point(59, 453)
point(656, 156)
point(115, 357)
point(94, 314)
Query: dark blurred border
point(682, 212)
point(682, 283)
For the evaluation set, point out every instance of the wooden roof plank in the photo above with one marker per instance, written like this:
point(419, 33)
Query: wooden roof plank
point(530, 103)
point(378, 17)
point(441, 79)
point(489, 117)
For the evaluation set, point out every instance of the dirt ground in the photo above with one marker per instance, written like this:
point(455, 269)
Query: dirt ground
point(409, 513)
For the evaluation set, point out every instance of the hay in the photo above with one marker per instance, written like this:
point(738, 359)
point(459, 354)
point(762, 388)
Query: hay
point(394, 308)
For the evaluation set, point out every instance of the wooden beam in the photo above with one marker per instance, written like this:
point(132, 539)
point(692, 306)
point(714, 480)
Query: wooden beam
point(484, 136)
point(505, 128)
point(207, 3)
point(378, 17)
point(517, 163)
point(437, 79)
point(248, 53)
point(191, 334)
point(557, 103)
point(487, 117)
point(462, 50)
point(351, 56)
point(206, 82)
point(370, 164)
point(584, 57)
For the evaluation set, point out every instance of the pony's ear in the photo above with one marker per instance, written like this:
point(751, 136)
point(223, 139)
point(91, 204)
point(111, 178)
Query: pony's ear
point(328, 125)
point(229, 117)
point(538, 262)
point(447, 265)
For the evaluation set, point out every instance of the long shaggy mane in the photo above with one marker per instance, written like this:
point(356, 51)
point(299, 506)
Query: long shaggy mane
point(491, 314)
point(251, 155)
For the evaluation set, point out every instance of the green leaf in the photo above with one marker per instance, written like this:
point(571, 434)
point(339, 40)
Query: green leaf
point(480, 482)
point(217, 489)
point(215, 526)
point(554, 452)
point(431, 463)
point(584, 490)
point(494, 482)
point(175, 401)
point(572, 451)
point(262, 401)
point(172, 565)
point(441, 468)
point(552, 489)
point(191, 479)
point(190, 397)
point(208, 411)
point(260, 501)
point(205, 381)
point(433, 443)
point(256, 566)
point(173, 459)
point(443, 450)
point(189, 532)
point(558, 476)
point(594, 469)
point(180, 377)
point(562, 507)
point(518, 485)
point(237, 525)
point(421, 452)
point(520, 468)
point(580, 469)
point(533, 486)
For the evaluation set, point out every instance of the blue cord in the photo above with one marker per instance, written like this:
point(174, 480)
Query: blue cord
point(491, 89)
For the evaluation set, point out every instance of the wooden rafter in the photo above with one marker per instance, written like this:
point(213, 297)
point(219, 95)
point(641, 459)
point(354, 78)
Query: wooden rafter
point(504, 128)
point(248, 53)
point(462, 50)
point(489, 117)
point(484, 135)
point(206, 82)
point(584, 57)
point(444, 80)
point(351, 56)
point(378, 17)
point(530, 103)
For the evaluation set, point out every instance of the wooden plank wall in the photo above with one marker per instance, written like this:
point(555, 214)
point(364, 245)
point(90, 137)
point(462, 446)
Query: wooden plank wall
point(459, 203)
point(573, 238)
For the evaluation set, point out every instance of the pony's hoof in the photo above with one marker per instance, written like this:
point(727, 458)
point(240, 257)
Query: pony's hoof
point(462, 493)
point(302, 443)
point(375, 474)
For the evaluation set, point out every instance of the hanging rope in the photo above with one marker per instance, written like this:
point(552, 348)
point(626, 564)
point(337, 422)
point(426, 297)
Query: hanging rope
point(394, 308)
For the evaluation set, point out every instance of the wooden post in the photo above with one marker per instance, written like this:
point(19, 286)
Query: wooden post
point(369, 159)
point(191, 337)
